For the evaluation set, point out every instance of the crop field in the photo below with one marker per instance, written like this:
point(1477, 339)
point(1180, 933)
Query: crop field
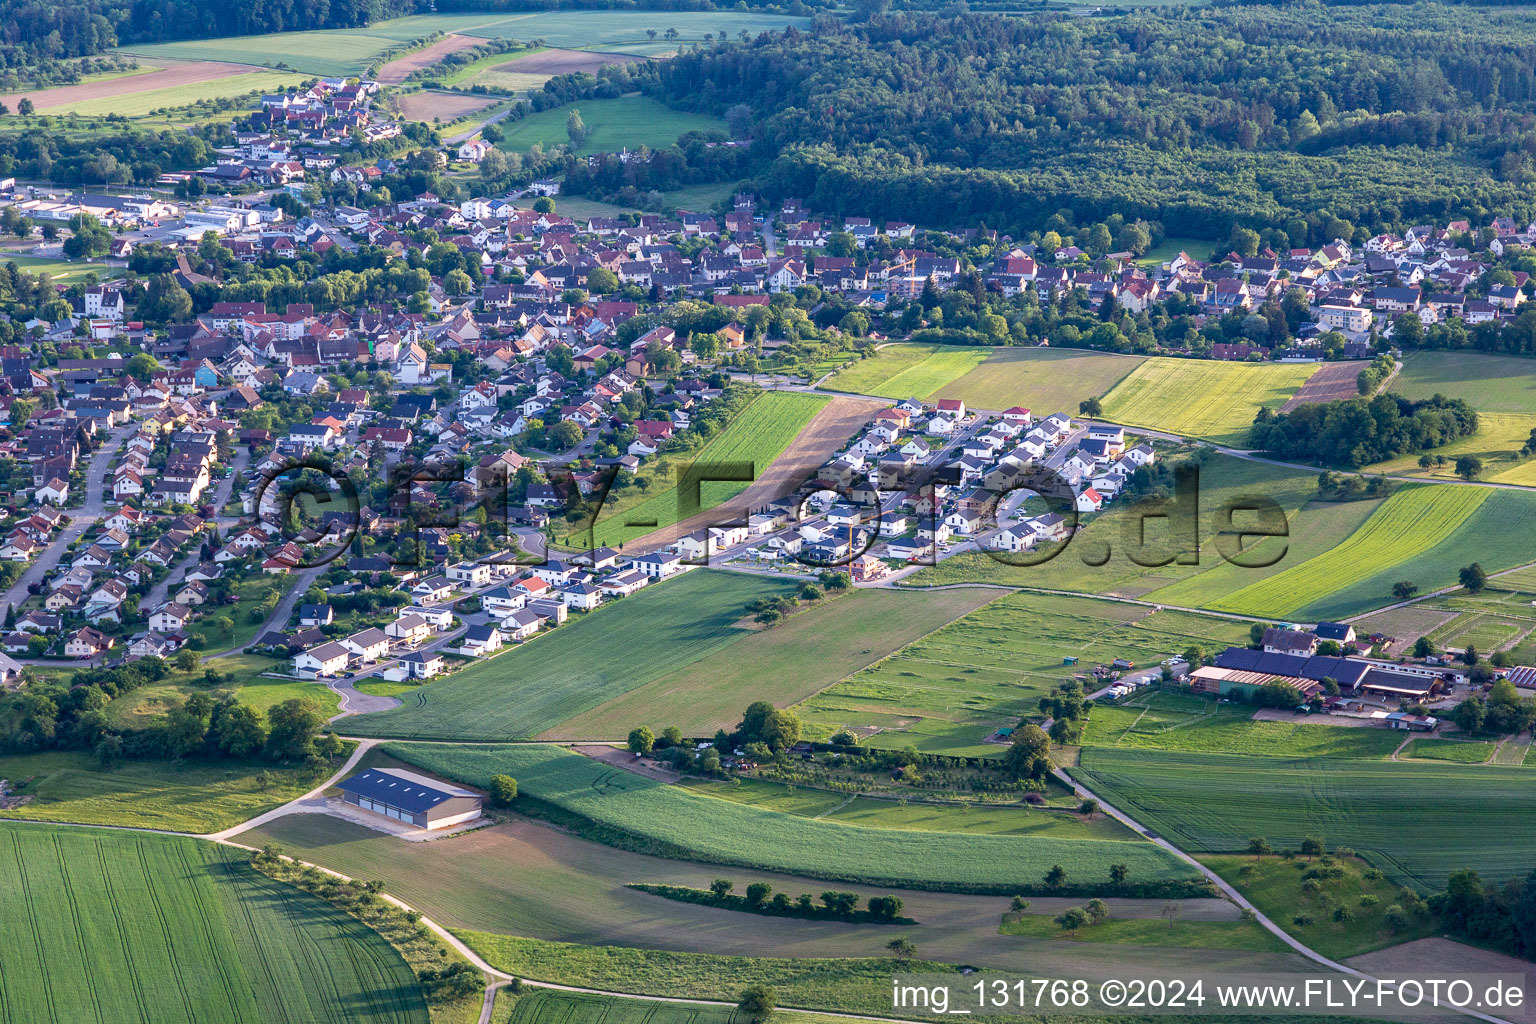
point(908, 370)
point(618, 30)
point(1203, 398)
point(1408, 524)
point(1097, 561)
point(1458, 751)
point(185, 82)
point(784, 664)
point(399, 69)
point(549, 1007)
point(429, 105)
point(1043, 380)
point(1216, 802)
point(1489, 383)
point(1499, 438)
point(136, 103)
point(757, 435)
point(663, 819)
point(1155, 722)
point(194, 796)
point(579, 665)
point(949, 691)
point(532, 69)
point(118, 927)
point(612, 124)
point(1141, 931)
point(1332, 382)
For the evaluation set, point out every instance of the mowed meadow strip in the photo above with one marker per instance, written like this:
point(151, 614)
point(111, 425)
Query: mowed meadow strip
point(631, 811)
point(1418, 821)
point(120, 927)
point(1412, 521)
point(1202, 397)
point(591, 659)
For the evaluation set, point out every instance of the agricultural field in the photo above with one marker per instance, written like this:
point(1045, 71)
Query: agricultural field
point(1044, 380)
point(182, 82)
point(180, 931)
point(789, 662)
point(626, 122)
point(1489, 383)
point(1203, 398)
point(619, 31)
point(1142, 931)
point(401, 68)
point(580, 665)
point(1499, 438)
point(1215, 802)
point(908, 370)
point(1407, 525)
point(948, 692)
point(956, 687)
point(758, 434)
point(193, 796)
point(1161, 721)
point(1456, 751)
point(138, 102)
point(1097, 561)
point(531, 69)
point(554, 1007)
point(1273, 884)
point(445, 107)
point(1332, 382)
point(638, 812)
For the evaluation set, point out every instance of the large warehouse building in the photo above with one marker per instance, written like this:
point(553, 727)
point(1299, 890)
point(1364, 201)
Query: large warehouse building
point(410, 798)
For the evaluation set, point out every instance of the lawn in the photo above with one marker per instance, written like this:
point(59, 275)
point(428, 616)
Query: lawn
point(789, 662)
point(908, 370)
point(193, 796)
point(1043, 380)
point(112, 926)
point(581, 664)
point(1407, 525)
point(949, 691)
point(63, 272)
point(1202, 397)
point(1458, 751)
point(756, 436)
point(1151, 722)
point(625, 122)
point(1274, 885)
point(243, 680)
point(1168, 248)
point(1417, 821)
point(137, 104)
point(1489, 383)
point(636, 812)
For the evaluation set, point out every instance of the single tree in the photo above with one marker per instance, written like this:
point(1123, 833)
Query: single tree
point(902, 949)
point(642, 740)
point(1473, 578)
point(1056, 876)
point(757, 1002)
point(503, 790)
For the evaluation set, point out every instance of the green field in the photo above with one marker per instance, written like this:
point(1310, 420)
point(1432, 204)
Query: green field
point(192, 796)
point(1160, 721)
point(552, 1007)
point(1141, 931)
point(137, 104)
point(1406, 526)
point(626, 122)
point(1498, 441)
point(1274, 885)
point(1168, 248)
point(350, 51)
point(1458, 751)
point(581, 664)
point(62, 272)
point(758, 434)
point(1489, 383)
point(1043, 380)
point(1417, 821)
point(908, 371)
point(1203, 398)
point(789, 662)
point(949, 691)
point(120, 927)
point(638, 812)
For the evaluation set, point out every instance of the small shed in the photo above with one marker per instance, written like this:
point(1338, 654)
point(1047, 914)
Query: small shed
point(1069, 660)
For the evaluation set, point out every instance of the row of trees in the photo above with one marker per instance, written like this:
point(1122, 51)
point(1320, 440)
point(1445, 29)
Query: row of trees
point(1354, 432)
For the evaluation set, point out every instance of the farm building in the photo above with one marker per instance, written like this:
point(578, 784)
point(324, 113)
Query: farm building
point(411, 798)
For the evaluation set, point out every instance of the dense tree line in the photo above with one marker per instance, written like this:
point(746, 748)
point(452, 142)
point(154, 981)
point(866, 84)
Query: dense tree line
point(1358, 431)
point(1294, 114)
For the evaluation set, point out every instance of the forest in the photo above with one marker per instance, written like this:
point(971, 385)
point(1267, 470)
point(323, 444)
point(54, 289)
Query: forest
point(1203, 118)
point(1355, 432)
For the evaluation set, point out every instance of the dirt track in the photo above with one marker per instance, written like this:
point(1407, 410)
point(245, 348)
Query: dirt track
point(828, 430)
point(397, 70)
point(564, 62)
point(167, 77)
